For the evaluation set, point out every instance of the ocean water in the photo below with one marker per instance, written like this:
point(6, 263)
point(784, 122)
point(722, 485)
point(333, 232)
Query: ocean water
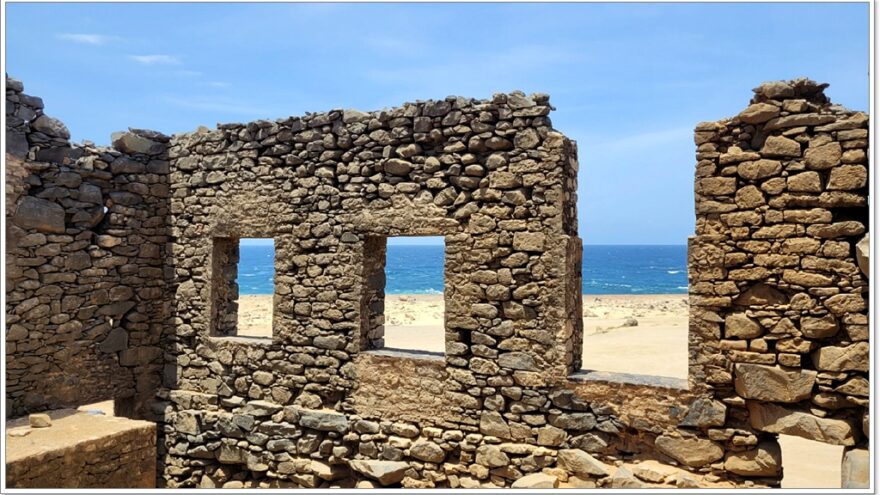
point(419, 269)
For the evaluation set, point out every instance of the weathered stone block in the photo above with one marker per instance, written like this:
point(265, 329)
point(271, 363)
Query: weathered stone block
point(777, 419)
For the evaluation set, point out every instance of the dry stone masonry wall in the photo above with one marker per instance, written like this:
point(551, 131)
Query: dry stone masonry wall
point(778, 325)
point(779, 272)
point(85, 264)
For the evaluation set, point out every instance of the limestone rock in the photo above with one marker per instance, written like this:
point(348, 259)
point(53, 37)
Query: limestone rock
point(761, 295)
point(580, 463)
point(777, 419)
point(491, 423)
point(772, 383)
point(693, 452)
point(39, 420)
point(863, 254)
point(653, 471)
point(39, 214)
point(780, 146)
point(758, 113)
point(774, 90)
point(823, 157)
point(759, 169)
point(763, 461)
point(819, 327)
point(385, 472)
point(551, 436)
point(129, 142)
point(624, 478)
point(739, 325)
point(847, 178)
point(536, 481)
point(855, 470)
point(491, 456)
point(427, 451)
point(849, 358)
point(528, 241)
point(841, 304)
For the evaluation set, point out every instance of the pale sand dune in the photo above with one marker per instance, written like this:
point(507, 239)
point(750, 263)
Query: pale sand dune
point(657, 345)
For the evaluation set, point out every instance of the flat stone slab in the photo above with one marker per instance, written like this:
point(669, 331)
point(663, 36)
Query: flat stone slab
point(630, 379)
point(81, 450)
point(70, 428)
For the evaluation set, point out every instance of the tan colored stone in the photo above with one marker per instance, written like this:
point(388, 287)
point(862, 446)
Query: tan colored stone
point(804, 182)
point(772, 383)
point(735, 155)
point(777, 419)
point(741, 326)
point(779, 146)
point(838, 229)
point(853, 357)
point(847, 177)
point(811, 216)
point(580, 463)
point(823, 157)
point(797, 120)
point(763, 461)
point(716, 186)
point(840, 304)
point(385, 472)
point(863, 253)
point(693, 452)
point(39, 420)
point(819, 327)
point(855, 470)
point(758, 113)
point(806, 279)
point(758, 169)
point(536, 481)
point(749, 197)
point(653, 471)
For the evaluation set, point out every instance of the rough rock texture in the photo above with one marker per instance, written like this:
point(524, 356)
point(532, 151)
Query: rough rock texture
point(778, 299)
point(856, 469)
point(85, 267)
point(148, 297)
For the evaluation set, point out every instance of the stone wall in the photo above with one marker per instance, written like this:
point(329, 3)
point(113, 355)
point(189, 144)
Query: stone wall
point(779, 274)
point(85, 264)
point(778, 322)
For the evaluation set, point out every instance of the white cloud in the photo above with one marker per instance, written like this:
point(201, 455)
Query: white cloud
point(86, 38)
point(155, 59)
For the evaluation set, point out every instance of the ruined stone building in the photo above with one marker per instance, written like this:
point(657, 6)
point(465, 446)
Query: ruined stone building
point(121, 266)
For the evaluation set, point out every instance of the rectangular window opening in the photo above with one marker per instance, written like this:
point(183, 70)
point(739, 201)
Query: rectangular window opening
point(635, 310)
point(243, 287)
point(404, 303)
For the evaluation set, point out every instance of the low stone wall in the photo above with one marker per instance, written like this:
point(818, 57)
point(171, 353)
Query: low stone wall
point(81, 451)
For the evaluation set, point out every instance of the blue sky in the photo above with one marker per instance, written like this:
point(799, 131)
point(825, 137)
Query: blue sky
point(629, 81)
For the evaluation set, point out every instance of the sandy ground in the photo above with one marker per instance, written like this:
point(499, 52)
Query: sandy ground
point(655, 345)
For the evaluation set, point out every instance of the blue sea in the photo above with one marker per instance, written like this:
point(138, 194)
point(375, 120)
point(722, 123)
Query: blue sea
point(415, 269)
